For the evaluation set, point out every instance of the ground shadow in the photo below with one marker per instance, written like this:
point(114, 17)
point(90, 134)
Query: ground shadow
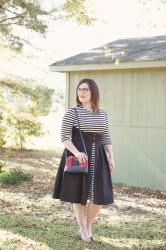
point(62, 234)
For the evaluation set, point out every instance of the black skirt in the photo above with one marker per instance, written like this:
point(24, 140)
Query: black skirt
point(96, 185)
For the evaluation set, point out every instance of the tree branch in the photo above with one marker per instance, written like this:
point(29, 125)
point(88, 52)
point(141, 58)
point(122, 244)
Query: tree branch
point(13, 12)
point(10, 18)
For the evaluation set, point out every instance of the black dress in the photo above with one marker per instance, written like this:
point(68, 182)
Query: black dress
point(97, 184)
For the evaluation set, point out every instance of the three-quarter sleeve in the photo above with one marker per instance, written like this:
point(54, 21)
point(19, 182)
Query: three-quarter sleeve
point(67, 125)
point(106, 139)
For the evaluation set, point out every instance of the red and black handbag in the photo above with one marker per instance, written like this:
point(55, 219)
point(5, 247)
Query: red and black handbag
point(72, 164)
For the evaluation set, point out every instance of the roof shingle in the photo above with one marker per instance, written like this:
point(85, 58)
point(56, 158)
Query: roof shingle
point(126, 50)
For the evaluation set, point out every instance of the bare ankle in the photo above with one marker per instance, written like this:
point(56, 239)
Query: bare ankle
point(89, 229)
point(84, 234)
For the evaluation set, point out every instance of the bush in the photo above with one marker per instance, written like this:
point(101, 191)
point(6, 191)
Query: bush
point(15, 176)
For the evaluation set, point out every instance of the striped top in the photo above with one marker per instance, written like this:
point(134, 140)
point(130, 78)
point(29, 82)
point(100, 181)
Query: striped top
point(89, 122)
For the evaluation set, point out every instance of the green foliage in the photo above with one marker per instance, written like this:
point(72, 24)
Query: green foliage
point(1, 165)
point(77, 10)
point(30, 15)
point(19, 106)
point(24, 13)
point(2, 135)
point(4, 157)
point(23, 127)
point(15, 176)
point(7, 178)
point(39, 96)
point(43, 100)
point(3, 128)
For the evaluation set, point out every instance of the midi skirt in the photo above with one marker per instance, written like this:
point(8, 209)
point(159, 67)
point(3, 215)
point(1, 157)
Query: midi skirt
point(95, 186)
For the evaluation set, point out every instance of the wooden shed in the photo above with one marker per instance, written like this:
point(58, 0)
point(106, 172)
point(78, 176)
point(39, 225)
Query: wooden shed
point(131, 75)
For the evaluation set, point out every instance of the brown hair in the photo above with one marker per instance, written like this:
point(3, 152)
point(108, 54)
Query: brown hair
point(94, 94)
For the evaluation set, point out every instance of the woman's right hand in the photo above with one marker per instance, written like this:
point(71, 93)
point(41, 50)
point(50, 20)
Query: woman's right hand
point(82, 157)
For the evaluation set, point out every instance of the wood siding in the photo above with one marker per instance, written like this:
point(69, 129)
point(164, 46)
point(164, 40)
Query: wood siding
point(136, 103)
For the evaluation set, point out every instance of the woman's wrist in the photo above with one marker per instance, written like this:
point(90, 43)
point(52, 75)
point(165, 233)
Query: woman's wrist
point(111, 157)
point(77, 154)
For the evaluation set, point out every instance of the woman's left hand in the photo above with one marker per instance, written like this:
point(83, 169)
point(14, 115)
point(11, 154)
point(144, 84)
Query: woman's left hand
point(111, 164)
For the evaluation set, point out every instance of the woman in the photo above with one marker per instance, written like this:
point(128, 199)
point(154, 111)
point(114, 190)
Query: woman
point(87, 192)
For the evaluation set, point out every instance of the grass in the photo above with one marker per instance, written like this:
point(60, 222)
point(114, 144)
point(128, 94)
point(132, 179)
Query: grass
point(61, 234)
point(31, 219)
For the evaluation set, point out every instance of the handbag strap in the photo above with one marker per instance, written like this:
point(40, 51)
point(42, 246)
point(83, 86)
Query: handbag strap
point(80, 132)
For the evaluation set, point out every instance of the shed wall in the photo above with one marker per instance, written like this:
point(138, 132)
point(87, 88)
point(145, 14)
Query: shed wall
point(135, 101)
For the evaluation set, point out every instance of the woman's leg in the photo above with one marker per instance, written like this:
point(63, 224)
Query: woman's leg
point(92, 212)
point(80, 214)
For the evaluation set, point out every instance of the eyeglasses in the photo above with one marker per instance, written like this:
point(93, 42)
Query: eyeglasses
point(84, 90)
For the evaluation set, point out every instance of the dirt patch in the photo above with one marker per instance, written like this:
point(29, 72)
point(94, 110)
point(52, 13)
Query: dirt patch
point(36, 196)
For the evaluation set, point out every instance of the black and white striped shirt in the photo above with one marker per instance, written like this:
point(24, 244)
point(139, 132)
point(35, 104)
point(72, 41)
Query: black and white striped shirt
point(89, 122)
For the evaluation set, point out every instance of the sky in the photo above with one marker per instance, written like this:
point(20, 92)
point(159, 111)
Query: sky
point(116, 19)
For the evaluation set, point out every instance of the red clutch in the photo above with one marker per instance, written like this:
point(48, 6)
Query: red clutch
point(74, 166)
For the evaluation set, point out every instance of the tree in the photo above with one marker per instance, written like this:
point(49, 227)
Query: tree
point(3, 129)
point(23, 13)
point(77, 10)
point(25, 101)
point(22, 127)
point(31, 15)
point(20, 103)
point(27, 97)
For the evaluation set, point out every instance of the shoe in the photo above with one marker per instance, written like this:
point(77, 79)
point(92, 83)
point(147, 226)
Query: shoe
point(79, 235)
point(92, 238)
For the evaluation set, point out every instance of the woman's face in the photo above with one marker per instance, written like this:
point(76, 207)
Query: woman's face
point(84, 93)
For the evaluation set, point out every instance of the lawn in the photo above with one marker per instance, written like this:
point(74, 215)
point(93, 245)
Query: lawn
point(31, 219)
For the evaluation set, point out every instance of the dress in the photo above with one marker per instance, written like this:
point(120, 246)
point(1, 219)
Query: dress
point(97, 184)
